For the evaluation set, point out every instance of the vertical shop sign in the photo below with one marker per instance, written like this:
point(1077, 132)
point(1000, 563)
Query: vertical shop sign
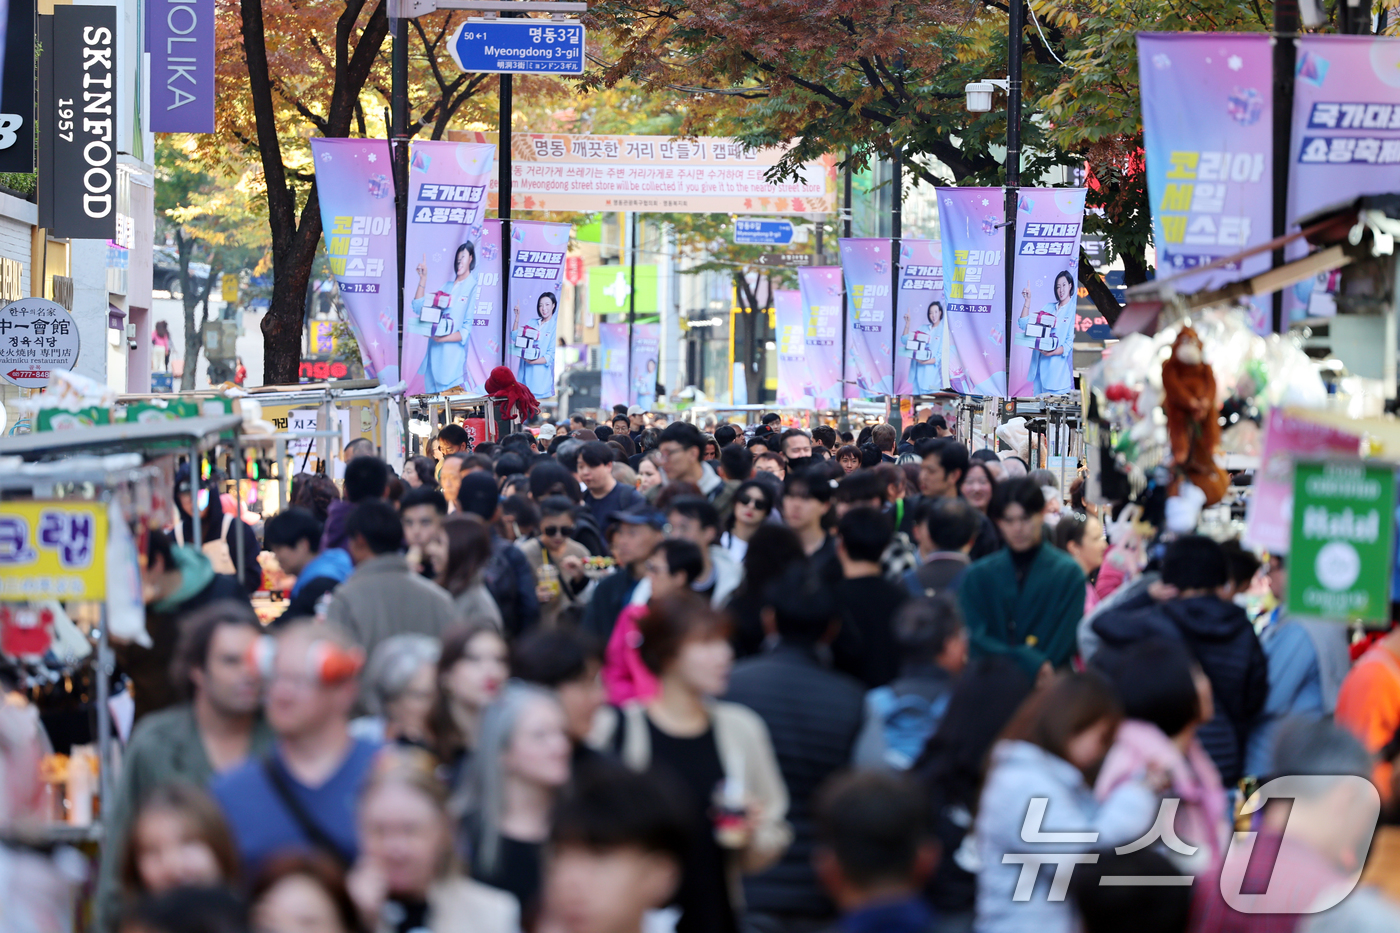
point(181, 42)
point(1207, 106)
point(77, 123)
point(645, 358)
point(1339, 566)
point(920, 366)
point(17, 90)
point(974, 285)
point(357, 217)
point(794, 388)
point(536, 278)
point(821, 315)
point(612, 347)
point(1046, 292)
point(869, 316)
point(452, 285)
point(1346, 121)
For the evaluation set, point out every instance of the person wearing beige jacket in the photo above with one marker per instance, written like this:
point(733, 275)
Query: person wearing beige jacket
point(406, 876)
point(719, 752)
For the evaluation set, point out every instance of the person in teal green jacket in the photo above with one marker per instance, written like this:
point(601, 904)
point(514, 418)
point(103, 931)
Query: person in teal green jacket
point(1026, 600)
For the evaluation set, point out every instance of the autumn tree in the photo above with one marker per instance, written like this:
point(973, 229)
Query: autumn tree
point(290, 70)
point(206, 214)
point(867, 78)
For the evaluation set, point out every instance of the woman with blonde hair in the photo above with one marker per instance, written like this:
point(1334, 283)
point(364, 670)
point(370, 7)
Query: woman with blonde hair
point(406, 877)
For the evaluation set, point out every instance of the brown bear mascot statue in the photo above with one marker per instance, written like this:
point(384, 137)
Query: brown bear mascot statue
point(1193, 420)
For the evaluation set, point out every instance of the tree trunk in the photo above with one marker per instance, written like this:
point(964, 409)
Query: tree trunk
point(295, 239)
point(1134, 270)
point(1099, 292)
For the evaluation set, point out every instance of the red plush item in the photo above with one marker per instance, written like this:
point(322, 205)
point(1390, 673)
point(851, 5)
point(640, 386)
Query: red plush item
point(516, 401)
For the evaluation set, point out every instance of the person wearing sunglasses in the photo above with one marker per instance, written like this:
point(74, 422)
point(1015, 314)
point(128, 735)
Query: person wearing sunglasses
point(557, 560)
point(752, 505)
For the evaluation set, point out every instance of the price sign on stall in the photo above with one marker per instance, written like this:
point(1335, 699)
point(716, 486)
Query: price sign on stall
point(53, 550)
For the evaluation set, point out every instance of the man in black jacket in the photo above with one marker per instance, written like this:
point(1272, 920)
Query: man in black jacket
point(633, 535)
point(1216, 631)
point(813, 715)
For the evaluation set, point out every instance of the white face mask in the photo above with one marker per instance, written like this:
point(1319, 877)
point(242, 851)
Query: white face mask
point(1189, 353)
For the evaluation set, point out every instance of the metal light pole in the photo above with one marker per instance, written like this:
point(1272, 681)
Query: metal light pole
point(503, 196)
point(398, 143)
point(1285, 59)
point(896, 233)
point(845, 422)
point(1013, 161)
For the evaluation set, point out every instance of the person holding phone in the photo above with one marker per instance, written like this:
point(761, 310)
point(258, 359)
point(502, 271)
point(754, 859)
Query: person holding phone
point(449, 313)
point(534, 346)
point(924, 347)
point(1052, 359)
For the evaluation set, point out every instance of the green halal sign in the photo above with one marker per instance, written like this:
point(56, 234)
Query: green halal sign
point(1339, 565)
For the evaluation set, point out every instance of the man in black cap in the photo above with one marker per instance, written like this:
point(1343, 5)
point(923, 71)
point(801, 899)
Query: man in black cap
point(507, 574)
point(632, 536)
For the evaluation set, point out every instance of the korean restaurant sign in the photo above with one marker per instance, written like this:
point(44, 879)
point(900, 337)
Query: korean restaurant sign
point(704, 174)
point(36, 337)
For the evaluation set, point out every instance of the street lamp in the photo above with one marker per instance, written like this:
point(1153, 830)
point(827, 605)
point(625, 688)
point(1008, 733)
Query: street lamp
point(979, 100)
point(979, 93)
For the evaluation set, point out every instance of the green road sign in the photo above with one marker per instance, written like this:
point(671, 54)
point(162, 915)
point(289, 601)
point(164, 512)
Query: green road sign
point(1340, 562)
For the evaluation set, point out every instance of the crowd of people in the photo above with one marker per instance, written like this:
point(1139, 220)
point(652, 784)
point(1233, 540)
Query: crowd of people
point(625, 676)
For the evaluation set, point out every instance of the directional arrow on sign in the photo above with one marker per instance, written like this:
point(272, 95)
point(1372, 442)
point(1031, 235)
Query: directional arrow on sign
point(785, 259)
point(29, 374)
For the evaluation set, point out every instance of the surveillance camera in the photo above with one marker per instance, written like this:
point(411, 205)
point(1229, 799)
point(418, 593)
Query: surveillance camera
point(979, 96)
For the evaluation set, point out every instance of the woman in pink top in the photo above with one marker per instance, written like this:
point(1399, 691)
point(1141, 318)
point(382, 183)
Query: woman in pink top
point(1082, 538)
point(1166, 697)
point(671, 568)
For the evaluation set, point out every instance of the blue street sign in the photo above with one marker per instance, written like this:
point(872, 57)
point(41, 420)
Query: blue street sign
point(519, 46)
point(763, 232)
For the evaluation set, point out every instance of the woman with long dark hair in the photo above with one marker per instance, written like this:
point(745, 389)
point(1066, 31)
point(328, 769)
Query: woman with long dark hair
point(473, 665)
point(462, 548)
point(1046, 762)
point(752, 503)
point(772, 549)
point(951, 770)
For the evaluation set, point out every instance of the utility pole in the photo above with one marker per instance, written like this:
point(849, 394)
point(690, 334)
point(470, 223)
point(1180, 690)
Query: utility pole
point(503, 212)
point(896, 233)
point(398, 144)
point(845, 422)
point(1285, 59)
point(631, 298)
point(1013, 160)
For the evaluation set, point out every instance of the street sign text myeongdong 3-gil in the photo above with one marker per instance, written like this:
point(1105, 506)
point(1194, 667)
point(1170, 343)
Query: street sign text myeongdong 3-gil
point(527, 46)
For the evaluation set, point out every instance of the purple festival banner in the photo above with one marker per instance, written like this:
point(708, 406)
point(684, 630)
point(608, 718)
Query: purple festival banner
point(1207, 105)
point(821, 314)
point(865, 263)
point(646, 356)
point(1346, 121)
point(794, 388)
point(1046, 291)
point(180, 38)
point(537, 251)
point(974, 286)
point(612, 349)
point(353, 177)
point(920, 366)
point(452, 289)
